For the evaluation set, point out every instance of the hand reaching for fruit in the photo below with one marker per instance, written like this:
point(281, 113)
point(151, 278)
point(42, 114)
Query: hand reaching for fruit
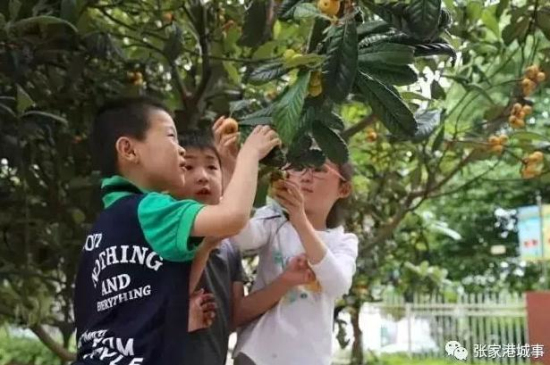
point(226, 139)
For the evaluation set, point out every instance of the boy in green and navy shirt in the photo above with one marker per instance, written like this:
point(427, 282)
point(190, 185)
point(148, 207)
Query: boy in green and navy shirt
point(132, 287)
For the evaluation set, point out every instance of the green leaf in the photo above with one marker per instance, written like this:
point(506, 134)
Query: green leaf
point(266, 120)
point(54, 117)
point(516, 30)
point(501, 7)
point(69, 11)
point(433, 49)
point(372, 27)
point(302, 142)
point(474, 10)
point(437, 91)
point(232, 72)
point(331, 143)
point(530, 136)
point(543, 20)
point(391, 74)
point(41, 20)
point(490, 21)
point(388, 106)
point(266, 72)
point(14, 7)
point(341, 65)
point(238, 106)
point(286, 9)
point(265, 50)
point(331, 120)
point(7, 110)
point(439, 139)
point(424, 17)
point(411, 95)
point(427, 124)
point(394, 13)
point(173, 46)
point(316, 35)
point(289, 108)
point(387, 53)
point(24, 101)
point(2, 21)
point(274, 158)
point(255, 21)
point(445, 20)
point(308, 11)
point(78, 216)
point(262, 116)
point(313, 157)
point(311, 60)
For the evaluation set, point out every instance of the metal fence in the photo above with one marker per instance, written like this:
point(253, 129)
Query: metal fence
point(492, 327)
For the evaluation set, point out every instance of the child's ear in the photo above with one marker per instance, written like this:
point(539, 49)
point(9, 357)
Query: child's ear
point(344, 190)
point(126, 150)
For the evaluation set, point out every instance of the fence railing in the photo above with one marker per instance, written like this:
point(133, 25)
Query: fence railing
point(489, 326)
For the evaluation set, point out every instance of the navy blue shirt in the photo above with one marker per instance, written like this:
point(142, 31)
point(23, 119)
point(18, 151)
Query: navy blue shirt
point(131, 293)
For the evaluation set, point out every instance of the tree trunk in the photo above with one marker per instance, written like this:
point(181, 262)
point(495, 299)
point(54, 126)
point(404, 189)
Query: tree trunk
point(357, 347)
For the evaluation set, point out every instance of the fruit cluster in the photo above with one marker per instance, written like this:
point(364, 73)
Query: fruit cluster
point(329, 7)
point(371, 135)
point(517, 117)
point(168, 17)
point(532, 165)
point(497, 143)
point(315, 87)
point(533, 77)
point(135, 78)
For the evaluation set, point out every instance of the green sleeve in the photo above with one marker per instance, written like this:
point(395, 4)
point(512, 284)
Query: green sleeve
point(167, 224)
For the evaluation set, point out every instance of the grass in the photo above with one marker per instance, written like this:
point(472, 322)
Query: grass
point(403, 359)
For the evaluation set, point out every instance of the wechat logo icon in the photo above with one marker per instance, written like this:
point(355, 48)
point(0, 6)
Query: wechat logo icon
point(455, 349)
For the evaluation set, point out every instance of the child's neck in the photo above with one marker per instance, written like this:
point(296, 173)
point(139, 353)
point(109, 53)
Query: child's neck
point(318, 221)
point(138, 180)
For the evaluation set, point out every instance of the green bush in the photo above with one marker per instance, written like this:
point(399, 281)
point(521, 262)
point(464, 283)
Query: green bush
point(23, 350)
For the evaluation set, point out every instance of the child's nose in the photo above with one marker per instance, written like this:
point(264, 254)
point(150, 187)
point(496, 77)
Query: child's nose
point(202, 175)
point(307, 176)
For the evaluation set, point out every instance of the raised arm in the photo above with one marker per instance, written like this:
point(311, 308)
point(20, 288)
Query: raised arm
point(226, 141)
point(334, 268)
point(231, 215)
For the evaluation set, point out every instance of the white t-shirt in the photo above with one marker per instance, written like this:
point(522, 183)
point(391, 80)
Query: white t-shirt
point(298, 330)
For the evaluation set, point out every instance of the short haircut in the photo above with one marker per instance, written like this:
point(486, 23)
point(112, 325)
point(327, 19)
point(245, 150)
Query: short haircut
point(121, 117)
point(198, 139)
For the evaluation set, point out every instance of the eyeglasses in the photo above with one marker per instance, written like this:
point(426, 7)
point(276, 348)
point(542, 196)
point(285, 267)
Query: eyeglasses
point(318, 173)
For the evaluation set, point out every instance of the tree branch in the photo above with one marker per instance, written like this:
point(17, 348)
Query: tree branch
point(51, 344)
point(429, 189)
point(356, 128)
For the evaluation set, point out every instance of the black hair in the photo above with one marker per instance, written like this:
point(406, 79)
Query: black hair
point(339, 210)
point(126, 116)
point(198, 139)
